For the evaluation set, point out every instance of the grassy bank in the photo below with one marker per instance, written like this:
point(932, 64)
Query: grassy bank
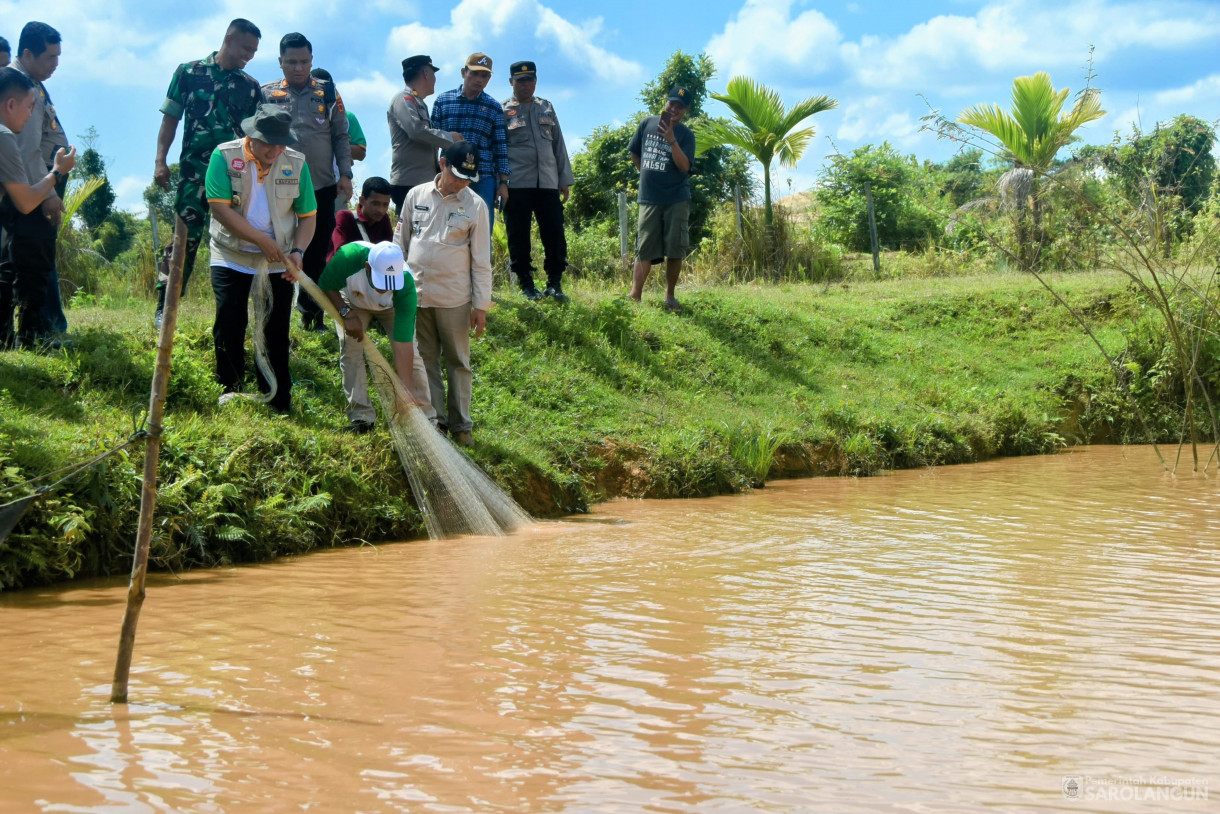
point(573, 405)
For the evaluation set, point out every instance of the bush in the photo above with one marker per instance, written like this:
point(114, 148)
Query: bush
point(790, 252)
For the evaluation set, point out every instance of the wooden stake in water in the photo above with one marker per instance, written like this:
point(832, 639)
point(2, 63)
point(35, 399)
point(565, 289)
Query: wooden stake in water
point(152, 455)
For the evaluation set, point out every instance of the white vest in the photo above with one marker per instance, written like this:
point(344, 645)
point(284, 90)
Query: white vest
point(283, 186)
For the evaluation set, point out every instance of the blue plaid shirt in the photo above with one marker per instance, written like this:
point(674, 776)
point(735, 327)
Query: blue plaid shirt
point(481, 122)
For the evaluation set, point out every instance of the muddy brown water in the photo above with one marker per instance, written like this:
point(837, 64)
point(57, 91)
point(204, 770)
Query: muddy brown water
point(934, 640)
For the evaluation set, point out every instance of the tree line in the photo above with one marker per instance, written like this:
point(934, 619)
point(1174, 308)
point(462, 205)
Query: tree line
point(1001, 196)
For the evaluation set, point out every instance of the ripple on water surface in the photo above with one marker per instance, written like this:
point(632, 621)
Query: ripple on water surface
point(922, 641)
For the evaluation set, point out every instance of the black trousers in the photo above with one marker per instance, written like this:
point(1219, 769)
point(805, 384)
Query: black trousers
point(315, 255)
point(232, 289)
point(27, 259)
point(519, 212)
point(398, 193)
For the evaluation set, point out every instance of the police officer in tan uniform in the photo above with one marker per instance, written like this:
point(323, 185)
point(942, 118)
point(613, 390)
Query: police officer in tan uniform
point(27, 257)
point(413, 139)
point(540, 178)
point(320, 122)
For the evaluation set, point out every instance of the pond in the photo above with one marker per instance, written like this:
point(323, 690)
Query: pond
point(1026, 634)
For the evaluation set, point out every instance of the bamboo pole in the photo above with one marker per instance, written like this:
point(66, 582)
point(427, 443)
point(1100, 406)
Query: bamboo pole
point(152, 455)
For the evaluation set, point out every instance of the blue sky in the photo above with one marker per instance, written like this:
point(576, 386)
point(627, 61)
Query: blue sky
point(1152, 60)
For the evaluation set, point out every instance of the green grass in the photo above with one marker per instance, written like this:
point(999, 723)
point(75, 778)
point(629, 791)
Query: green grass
point(572, 405)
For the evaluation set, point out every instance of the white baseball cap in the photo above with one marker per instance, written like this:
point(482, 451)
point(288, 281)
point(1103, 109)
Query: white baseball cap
point(387, 265)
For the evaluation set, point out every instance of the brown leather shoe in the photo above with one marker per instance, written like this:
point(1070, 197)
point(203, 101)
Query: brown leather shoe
point(463, 439)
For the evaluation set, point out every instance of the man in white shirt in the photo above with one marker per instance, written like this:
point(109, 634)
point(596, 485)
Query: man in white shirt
point(263, 216)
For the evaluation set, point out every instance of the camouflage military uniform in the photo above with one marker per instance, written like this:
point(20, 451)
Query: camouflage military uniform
point(214, 101)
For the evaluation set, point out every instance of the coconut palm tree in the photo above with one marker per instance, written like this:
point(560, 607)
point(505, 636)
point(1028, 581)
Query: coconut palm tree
point(1032, 134)
point(764, 129)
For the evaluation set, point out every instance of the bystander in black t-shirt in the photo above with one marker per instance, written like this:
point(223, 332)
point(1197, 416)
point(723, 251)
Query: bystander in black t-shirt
point(661, 182)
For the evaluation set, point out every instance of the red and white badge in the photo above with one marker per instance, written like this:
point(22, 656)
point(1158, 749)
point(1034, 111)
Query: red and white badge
point(238, 164)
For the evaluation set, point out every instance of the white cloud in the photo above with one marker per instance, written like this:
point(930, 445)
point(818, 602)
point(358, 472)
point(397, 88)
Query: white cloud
point(374, 89)
point(764, 37)
point(874, 119)
point(476, 25)
point(1026, 35)
point(1205, 90)
point(129, 194)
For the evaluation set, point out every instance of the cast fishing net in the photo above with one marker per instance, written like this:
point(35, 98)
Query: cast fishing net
point(453, 494)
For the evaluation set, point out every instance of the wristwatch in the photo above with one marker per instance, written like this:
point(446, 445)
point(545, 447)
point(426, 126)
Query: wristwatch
point(344, 311)
point(295, 250)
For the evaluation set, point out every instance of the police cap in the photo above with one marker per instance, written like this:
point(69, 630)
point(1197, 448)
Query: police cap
point(416, 62)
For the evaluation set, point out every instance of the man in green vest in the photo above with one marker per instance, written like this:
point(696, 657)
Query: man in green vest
point(263, 208)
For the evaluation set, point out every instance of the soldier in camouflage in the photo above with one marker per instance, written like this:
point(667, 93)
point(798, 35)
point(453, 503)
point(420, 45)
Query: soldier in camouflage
point(215, 95)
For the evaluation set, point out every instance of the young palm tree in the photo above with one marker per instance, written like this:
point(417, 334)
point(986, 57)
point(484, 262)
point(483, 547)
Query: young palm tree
point(1032, 134)
point(764, 129)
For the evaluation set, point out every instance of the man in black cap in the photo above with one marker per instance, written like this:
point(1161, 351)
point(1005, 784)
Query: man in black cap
point(413, 139)
point(263, 217)
point(540, 177)
point(445, 236)
point(662, 150)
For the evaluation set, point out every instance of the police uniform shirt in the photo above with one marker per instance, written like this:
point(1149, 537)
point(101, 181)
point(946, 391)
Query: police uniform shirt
point(12, 167)
point(30, 139)
point(413, 140)
point(320, 122)
point(537, 155)
point(53, 136)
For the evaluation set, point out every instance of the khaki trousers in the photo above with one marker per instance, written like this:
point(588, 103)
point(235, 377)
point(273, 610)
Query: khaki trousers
point(355, 375)
point(446, 331)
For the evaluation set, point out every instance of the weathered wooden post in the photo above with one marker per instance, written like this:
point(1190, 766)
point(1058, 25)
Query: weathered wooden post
point(156, 239)
point(737, 207)
point(872, 227)
point(622, 225)
point(152, 455)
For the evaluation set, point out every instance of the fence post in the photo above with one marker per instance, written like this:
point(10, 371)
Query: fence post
point(872, 227)
point(152, 222)
point(622, 224)
point(737, 207)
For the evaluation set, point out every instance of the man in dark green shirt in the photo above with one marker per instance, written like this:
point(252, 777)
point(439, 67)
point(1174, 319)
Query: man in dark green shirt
point(214, 95)
point(365, 280)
